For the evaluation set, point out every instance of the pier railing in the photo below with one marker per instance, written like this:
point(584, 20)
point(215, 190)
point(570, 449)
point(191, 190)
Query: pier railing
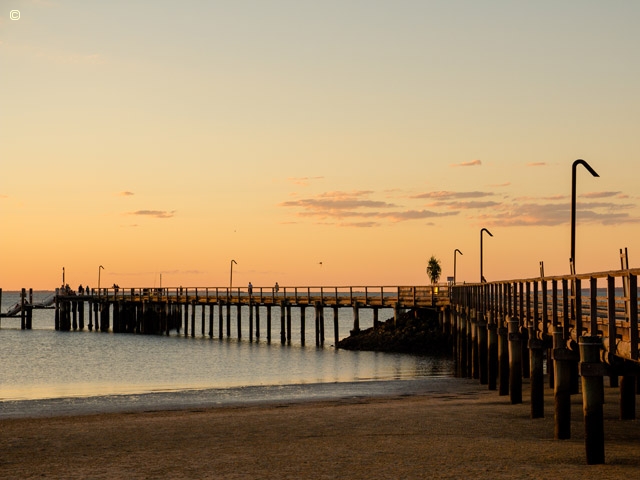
point(601, 304)
point(364, 296)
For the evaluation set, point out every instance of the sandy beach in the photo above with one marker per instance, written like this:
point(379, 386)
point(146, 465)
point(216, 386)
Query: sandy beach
point(461, 431)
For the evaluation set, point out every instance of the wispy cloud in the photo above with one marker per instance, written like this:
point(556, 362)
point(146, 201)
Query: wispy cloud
point(532, 213)
point(125, 194)
point(465, 205)
point(445, 195)
point(537, 164)
point(356, 209)
point(600, 194)
point(473, 163)
point(154, 213)
point(364, 209)
point(337, 203)
point(303, 181)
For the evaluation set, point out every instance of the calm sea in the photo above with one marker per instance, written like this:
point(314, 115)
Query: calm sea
point(43, 371)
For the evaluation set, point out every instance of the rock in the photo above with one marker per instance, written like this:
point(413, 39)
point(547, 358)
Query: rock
point(416, 331)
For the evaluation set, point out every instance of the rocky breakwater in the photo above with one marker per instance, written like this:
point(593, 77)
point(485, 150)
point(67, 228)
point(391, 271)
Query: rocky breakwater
point(415, 331)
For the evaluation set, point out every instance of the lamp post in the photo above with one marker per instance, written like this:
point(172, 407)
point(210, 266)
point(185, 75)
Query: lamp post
point(574, 166)
point(99, 268)
point(454, 264)
point(482, 280)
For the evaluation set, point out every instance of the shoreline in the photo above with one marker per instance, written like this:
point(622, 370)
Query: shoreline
point(219, 397)
point(458, 430)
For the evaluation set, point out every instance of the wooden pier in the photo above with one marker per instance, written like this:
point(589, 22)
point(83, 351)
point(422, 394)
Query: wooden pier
point(161, 310)
point(584, 326)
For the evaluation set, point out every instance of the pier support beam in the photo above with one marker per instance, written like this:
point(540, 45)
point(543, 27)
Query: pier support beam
point(492, 328)
point(503, 360)
point(592, 372)
point(257, 322)
point(475, 361)
point(463, 362)
point(268, 323)
point(536, 368)
point(483, 349)
point(562, 359)
point(515, 361)
point(356, 319)
point(628, 397)
point(283, 328)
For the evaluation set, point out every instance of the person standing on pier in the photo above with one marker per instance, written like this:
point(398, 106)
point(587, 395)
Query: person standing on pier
point(276, 288)
point(250, 288)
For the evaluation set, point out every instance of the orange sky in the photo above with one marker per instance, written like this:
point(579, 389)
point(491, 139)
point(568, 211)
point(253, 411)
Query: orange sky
point(155, 138)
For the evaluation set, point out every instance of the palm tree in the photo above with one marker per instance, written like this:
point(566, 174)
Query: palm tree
point(434, 269)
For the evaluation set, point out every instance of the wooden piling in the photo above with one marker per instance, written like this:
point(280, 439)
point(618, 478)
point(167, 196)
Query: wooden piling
point(536, 360)
point(74, 315)
point(536, 366)
point(186, 319)
point(268, 323)
point(23, 301)
point(211, 308)
point(515, 361)
point(250, 318)
point(592, 372)
point(302, 325)
point(283, 328)
point(336, 333)
point(562, 387)
point(493, 371)
point(356, 318)
point(220, 320)
point(475, 361)
point(463, 361)
point(288, 323)
point(193, 318)
point(628, 397)
point(81, 315)
point(483, 349)
point(90, 307)
point(239, 319)
point(257, 321)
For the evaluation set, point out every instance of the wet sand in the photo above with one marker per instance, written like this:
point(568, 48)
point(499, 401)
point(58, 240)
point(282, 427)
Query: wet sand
point(460, 431)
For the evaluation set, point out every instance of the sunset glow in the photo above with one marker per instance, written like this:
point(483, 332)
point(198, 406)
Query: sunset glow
point(316, 143)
